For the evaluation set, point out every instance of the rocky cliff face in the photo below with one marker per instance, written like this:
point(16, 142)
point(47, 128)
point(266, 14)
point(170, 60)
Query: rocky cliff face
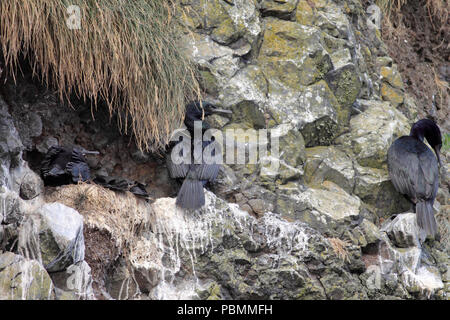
point(313, 73)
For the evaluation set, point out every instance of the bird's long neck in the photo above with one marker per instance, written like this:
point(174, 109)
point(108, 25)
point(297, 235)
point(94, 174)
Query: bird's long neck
point(418, 133)
point(190, 125)
point(426, 129)
point(429, 130)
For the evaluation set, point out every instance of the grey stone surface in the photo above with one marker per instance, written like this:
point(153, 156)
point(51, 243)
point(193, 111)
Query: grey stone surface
point(60, 236)
point(22, 279)
point(76, 280)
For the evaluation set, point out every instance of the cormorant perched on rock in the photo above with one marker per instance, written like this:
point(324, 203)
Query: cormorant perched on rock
point(414, 170)
point(191, 194)
point(65, 165)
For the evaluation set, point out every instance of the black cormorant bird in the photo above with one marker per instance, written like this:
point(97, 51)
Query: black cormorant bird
point(65, 165)
point(122, 184)
point(191, 194)
point(414, 170)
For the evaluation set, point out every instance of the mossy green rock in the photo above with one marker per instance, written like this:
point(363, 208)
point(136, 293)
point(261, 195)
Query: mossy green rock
point(292, 145)
point(280, 8)
point(286, 163)
point(341, 58)
point(74, 283)
point(328, 208)
point(384, 61)
point(370, 231)
point(306, 12)
point(23, 279)
point(329, 163)
point(373, 131)
point(345, 84)
point(331, 19)
point(221, 21)
point(292, 53)
point(374, 187)
point(321, 114)
point(409, 107)
point(342, 286)
point(208, 82)
point(332, 44)
point(248, 112)
point(61, 239)
point(248, 84)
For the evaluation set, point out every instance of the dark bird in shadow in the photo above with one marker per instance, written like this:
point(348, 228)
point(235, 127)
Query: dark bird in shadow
point(65, 165)
point(122, 184)
point(414, 170)
point(198, 171)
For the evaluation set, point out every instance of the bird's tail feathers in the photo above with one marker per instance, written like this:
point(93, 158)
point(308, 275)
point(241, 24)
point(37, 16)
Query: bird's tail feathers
point(425, 217)
point(191, 194)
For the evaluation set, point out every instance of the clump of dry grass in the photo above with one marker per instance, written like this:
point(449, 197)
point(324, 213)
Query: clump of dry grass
point(437, 9)
point(125, 54)
point(340, 247)
point(114, 223)
point(121, 214)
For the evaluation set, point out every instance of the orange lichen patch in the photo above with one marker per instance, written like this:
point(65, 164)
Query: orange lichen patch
point(391, 94)
point(392, 76)
point(340, 247)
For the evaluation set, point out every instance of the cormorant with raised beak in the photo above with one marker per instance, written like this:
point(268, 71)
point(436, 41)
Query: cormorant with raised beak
point(196, 175)
point(414, 170)
point(65, 165)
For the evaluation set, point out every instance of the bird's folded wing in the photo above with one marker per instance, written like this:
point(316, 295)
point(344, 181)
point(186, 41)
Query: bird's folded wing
point(47, 163)
point(430, 171)
point(403, 170)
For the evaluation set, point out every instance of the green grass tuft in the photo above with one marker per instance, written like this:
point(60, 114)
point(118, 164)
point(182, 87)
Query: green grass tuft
point(446, 142)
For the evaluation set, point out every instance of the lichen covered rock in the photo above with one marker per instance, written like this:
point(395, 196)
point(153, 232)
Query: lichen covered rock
point(374, 187)
point(22, 279)
point(60, 237)
point(373, 131)
point(74, 283)
point(243, 257)
point(329, 164)
point(404, 231)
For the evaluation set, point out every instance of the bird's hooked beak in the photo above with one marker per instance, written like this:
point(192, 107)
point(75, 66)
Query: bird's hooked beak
point(92, 152)
point(438, 154)
point(221, 111)
point(207, 108)
point(86, 152)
